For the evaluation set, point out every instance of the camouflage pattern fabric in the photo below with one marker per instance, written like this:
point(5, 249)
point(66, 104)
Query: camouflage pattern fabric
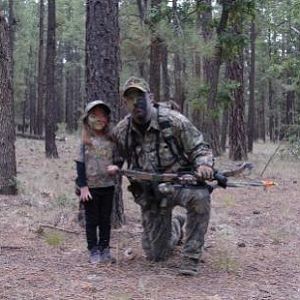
point(135, 82)
point(97, 157)
point(144, 155)
point(159, 236)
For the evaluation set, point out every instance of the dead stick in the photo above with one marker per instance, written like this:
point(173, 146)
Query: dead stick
point(11, 247)
point(270, 159)
point(57, 228)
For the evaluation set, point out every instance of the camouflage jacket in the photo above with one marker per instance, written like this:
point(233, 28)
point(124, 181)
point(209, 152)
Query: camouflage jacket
point(151, 152)
point(96, 158)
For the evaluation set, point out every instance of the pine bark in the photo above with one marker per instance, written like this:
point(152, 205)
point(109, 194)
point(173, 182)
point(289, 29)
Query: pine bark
point(224, 128)
point(7, 127)
point(237, 130)
point(251, 108)
point(41, 74)
point(179, 63)
point(212, 128)
point(11, 23)
point(165, 72)
point(102, 70)
point(155, 56)
point(50, 118)
point(103, 54)
point(155, 63)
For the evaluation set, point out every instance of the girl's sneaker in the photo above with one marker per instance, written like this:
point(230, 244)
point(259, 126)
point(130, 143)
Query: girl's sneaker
point(105, 256)
point(95, 256)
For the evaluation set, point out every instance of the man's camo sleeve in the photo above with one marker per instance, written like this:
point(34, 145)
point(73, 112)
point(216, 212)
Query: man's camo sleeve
point(197, 150)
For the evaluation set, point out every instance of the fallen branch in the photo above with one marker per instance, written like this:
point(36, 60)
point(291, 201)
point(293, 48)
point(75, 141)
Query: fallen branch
point(42, 226)
point(38, 137)
point(7, 247)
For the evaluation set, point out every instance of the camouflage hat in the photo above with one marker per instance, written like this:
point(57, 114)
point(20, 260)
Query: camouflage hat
point(95, 103)
point(135, 82)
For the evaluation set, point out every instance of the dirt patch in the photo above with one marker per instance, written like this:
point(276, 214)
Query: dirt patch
point(251, 251)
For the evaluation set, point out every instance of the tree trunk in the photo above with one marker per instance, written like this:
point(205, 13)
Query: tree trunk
point(50, 118)
point(155, 62)
point(196, 57)
point(290, 107)
point(69, 99)
point(179, 64)
point(41, 74)
point(31, 91)
point(224, 128)
point(72, 96)
point(178, 88)
point(11, 23)
point(237, 132)
point(251, 110)
point(102, 69)
point(261, 122)
point(271, 111)
point(59, 87)
point(142, 8)
point(155, 56)
point(212, 127)
point(77, 95)
point(290, 95)
point(165, 73)
point(8, 168)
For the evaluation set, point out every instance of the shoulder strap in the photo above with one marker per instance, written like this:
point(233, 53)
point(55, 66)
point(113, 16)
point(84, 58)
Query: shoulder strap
point(130, 148)
point(169, 138)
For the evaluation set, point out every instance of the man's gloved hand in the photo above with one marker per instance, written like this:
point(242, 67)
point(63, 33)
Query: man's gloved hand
point(205, 172)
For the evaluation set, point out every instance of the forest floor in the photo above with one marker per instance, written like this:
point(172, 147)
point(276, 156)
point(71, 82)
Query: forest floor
point(251, 250)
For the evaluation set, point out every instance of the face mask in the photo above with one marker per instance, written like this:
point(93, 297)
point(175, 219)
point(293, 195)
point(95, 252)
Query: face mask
point(95, 123)
point(139, 105)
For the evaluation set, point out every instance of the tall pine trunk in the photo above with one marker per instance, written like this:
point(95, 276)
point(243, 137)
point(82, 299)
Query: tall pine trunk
point(155, 56)
point(102, 69)
point(212, 128)
point(11, 23)
point(7, 126)
point(41, 74)
point(179, 64)
point(251, 110)
point(165, 72)
point(50, 118)
point(237, 130)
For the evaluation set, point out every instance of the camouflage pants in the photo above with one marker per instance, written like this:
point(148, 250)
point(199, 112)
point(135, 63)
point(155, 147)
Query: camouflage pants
point(161, 232)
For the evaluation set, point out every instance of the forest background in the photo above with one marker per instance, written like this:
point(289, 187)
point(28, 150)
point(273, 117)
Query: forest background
point(231, 66)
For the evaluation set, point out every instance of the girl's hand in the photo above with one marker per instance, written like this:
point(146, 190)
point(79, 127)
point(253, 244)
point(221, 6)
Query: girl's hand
point(112, 170)
point(85, 194)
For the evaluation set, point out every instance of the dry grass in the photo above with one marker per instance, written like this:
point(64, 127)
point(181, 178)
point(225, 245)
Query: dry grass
point(251, 251)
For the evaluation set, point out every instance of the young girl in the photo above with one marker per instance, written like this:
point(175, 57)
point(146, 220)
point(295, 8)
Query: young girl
point(96, 185)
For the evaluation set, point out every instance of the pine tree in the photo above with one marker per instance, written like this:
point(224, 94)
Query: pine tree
point(7, 125)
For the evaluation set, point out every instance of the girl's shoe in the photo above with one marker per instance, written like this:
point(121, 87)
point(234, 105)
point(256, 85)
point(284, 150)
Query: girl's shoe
point(105, 256)
point(95, 256)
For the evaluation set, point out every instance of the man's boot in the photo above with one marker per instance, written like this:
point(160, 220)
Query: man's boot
point(189, 266)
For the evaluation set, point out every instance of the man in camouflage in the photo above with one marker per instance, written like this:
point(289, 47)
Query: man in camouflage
point(156, 139)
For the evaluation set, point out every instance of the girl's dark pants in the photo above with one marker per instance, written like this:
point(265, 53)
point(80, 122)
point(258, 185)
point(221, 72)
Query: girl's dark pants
point(97, 215)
